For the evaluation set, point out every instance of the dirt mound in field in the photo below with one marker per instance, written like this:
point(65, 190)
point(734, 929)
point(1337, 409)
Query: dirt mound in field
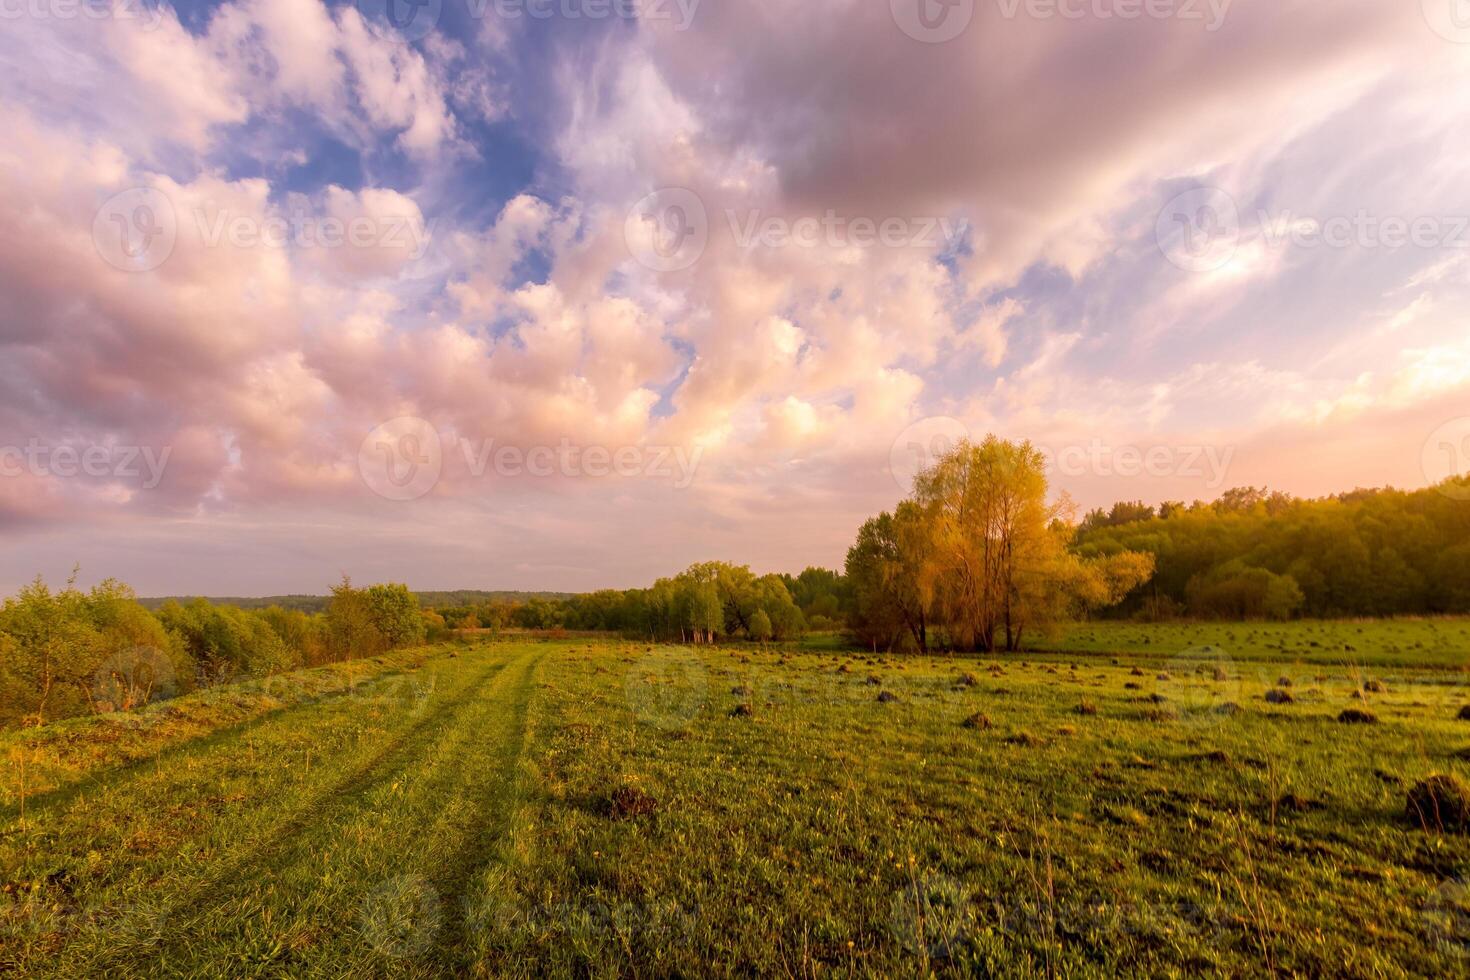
point(977, 721)
point(630, 801)
point(1279, 696)
point(1357, 716)
point(1440, 803)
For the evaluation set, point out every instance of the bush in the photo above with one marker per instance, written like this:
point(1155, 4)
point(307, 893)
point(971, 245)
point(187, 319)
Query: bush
point(71, 652)
point(1238, 591)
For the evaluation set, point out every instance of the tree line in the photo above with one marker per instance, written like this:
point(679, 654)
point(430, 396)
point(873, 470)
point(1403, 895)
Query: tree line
point(706, 602)
point(68, 652)
point(1260, 554)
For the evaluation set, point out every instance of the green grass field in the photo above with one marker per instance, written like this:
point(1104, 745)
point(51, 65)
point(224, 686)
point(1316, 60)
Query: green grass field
point(599, 808)
point(1443, 643)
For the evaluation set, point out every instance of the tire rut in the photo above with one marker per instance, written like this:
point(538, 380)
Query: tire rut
point(482, 840)
point(219, 880)
point(117, 776)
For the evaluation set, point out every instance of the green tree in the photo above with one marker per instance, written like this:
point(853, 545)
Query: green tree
point(883, 572)
point(52, 652)
point(349, 623)
point(760, 626)
point(395, 615)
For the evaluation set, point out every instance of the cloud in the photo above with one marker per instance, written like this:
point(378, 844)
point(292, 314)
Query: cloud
point(1018, 173)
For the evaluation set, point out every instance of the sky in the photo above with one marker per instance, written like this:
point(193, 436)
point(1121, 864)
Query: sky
point(568, 294)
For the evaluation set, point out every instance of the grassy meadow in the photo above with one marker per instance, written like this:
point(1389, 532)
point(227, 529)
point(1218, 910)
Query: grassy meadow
point(1386, 643)
point(1132, 804)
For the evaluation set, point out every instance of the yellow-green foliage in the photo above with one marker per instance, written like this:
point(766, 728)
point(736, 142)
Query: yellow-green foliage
point(71, 652)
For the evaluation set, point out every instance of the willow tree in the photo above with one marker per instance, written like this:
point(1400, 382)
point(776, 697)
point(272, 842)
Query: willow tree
point(995, 564)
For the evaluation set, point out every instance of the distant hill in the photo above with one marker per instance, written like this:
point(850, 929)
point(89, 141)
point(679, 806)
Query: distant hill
point(317, 603)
